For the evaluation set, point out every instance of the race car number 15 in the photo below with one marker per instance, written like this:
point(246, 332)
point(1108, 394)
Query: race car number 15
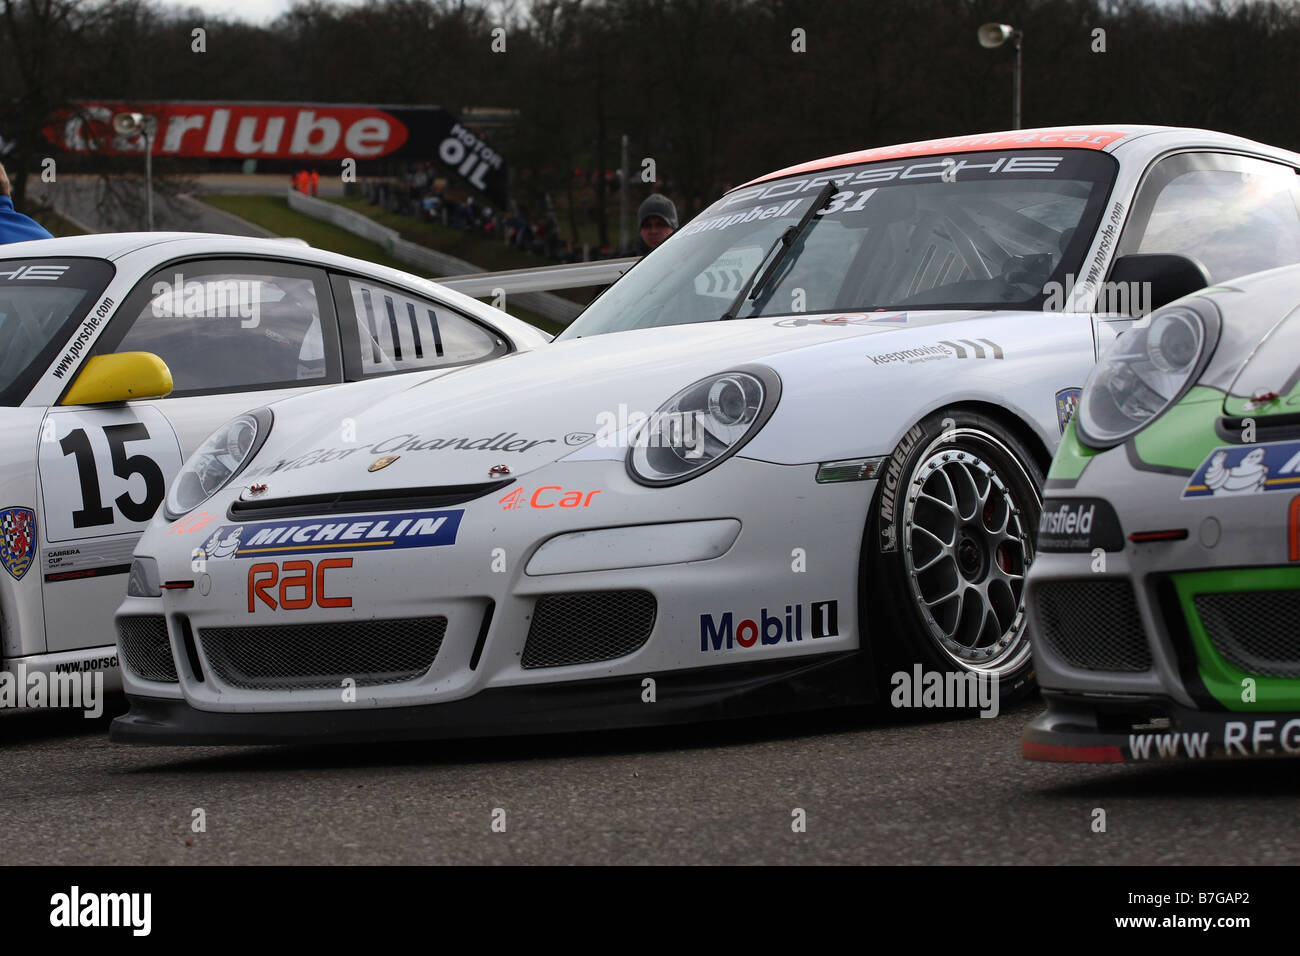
point(104, 471)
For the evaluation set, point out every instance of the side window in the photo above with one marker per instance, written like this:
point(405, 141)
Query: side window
point(386, 330)
point(1234, 214)
point(226, 326)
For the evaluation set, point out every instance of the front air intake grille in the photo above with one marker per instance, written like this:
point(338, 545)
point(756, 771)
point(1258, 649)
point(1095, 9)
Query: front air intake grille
point(349, 502)
point(1093, 625)
point(587, 627)
point(145, 648)
point(307, 656)
point(1254, 631)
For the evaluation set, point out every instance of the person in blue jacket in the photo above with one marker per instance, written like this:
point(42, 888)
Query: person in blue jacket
point(14, 226)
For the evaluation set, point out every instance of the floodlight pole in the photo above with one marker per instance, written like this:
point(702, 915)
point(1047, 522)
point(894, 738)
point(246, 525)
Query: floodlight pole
point(1015, 84)
point(149, 129)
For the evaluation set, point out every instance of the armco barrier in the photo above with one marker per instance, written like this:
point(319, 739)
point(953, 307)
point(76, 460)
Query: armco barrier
point(553, 307)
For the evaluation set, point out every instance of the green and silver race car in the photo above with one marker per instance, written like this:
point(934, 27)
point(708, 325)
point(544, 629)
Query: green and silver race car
point(1165, 596)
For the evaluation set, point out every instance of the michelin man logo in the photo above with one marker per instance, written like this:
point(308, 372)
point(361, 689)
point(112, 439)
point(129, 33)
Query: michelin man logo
point(219, 547)
point(1244, 478)
point(1247, 470)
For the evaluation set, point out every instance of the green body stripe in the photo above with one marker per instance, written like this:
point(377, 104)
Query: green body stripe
point(1184, 435)
point(1071, 457)
point(1222, 679)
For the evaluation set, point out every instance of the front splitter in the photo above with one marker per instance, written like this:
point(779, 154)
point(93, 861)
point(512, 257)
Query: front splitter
point(686, 696)
point(1076, 729)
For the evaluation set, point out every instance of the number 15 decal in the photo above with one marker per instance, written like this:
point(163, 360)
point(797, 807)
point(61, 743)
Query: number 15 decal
point(104, 471)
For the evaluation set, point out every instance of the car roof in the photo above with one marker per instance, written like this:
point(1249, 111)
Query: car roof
point(1101, 137)
point(115, 245)
point(164, 246)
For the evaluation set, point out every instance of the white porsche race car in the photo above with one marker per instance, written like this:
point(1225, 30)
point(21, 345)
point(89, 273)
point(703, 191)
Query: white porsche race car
point(121, 353)
point(828, 468)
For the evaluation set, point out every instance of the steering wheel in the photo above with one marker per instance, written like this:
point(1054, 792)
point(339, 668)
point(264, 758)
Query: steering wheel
point(1028, 272)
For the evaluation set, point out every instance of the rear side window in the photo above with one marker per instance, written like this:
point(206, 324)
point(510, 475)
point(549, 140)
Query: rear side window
point(387, 330)
point(233, 326)
point(42, 303)
point(1234, 214)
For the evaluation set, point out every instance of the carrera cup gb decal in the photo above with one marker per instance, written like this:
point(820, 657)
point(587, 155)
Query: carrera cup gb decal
point(1246, 470)
point(379, 532)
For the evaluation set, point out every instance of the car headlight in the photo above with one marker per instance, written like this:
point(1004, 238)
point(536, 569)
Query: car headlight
point(1148, 369)
point(218, 460)
point(703, 425)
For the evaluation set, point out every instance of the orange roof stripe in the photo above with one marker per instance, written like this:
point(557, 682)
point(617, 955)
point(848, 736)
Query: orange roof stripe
point(1065, 137)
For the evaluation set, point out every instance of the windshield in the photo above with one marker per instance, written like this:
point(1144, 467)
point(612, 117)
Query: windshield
point(976, 231)
point(41, 300)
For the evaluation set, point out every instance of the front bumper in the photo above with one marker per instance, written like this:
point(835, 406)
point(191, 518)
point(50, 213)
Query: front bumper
point(487, 590)
point(1118, 729)
point(1173, 646)
point(713, 693)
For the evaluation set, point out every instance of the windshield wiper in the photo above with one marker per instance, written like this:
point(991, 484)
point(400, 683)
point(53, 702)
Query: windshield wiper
point(786, 241)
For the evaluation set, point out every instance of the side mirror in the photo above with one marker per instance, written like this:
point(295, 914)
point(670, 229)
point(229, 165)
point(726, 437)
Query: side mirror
point(1156, 279)
point(120, 377)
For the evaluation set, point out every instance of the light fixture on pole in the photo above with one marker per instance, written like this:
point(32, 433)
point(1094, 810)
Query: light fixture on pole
point(992, 36)
point(130, 124)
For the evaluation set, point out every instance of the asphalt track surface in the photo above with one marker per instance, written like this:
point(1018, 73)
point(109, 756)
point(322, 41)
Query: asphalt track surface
point(876, 787)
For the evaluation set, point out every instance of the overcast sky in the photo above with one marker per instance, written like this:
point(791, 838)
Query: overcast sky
point(264, 11)
point(254, 11)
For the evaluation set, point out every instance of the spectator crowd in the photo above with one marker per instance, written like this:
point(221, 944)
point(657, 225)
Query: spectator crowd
point(422, 192)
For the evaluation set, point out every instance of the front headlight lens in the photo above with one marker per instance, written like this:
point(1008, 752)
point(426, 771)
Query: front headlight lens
point(1147, 369)
point(217, 461)
point(702, 425)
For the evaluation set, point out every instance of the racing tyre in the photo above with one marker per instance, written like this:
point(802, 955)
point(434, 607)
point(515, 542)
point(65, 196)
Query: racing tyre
point(949, 541)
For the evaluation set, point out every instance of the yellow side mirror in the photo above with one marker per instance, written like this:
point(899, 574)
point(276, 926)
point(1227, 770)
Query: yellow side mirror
point(120, 378)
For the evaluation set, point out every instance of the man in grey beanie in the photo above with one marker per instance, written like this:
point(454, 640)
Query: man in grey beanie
point(656, 221)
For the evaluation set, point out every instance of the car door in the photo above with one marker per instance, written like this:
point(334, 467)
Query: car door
point(236, 334)
point(1233, 214)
